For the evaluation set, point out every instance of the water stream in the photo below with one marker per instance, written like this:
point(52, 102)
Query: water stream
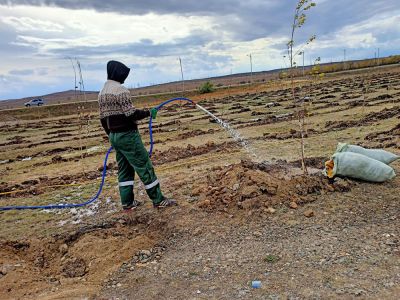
point(234, 134)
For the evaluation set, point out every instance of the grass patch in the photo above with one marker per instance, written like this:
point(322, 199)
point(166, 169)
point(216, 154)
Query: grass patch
point(270, 258)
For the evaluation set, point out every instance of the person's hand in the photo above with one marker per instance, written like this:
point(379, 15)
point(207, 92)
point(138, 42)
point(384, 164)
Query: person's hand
point(153, 113)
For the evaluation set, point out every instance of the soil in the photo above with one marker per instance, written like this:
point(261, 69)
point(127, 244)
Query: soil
point(237, 220)
point(298, 251)
point(348, 248)
point(260, 186)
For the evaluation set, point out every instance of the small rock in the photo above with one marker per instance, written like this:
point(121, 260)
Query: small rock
point(389, 284)
point(341, 185)
point(249, 204)
point(119, 284)
point(145, 253)
point(330, 188)
point(257, 233)
point(74, 268)
point(293, 205)
point(235, 187)
point(271, 210)
point(358, 292)
point(197, 231)
point(197, 191)
point(3, 271)
point(63, 249)
point(39, 261)
point(207, 202)
point(309, 213)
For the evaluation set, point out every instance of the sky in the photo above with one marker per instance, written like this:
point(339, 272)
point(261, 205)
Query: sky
point(38, 38)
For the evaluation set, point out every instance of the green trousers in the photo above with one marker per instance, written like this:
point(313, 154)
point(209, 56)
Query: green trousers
point(132, 156)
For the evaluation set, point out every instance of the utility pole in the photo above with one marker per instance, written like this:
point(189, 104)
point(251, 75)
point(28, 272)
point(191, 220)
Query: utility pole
point(183, 80)
point(75, 86)
point(378, 57)
point(344, 59)
point(251, 68)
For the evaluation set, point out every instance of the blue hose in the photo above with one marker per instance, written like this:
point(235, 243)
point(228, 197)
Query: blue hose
point(151, 119)
point(103, 177)
point(59, 206)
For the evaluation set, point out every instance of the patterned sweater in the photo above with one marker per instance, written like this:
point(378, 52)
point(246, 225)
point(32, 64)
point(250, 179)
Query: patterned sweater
point(117, 114)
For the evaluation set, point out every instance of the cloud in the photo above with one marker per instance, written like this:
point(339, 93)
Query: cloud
point(243, 19)
point(29, 24)
point(142, 48)
point(22, 72)
point(363, 38)
point(138, 7)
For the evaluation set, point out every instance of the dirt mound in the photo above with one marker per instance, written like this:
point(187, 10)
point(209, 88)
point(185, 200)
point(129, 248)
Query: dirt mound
point(194, 133)
point(290, 135)
point(327, 97)
point(16, 140)
point(313, 162)
point(386, 113)
point(385, 139)
point(258, 186)
point(383, 97)
point(41, 185)
point(177, 153)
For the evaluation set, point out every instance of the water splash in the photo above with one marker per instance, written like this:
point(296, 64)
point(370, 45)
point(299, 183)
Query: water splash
point(234, 133)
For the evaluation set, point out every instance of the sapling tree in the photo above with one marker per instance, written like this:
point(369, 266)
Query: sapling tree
point(299, 20)
point(366, 84)
point(316, 76)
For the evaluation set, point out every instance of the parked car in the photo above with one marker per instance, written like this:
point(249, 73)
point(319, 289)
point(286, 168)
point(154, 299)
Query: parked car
point(33, 102)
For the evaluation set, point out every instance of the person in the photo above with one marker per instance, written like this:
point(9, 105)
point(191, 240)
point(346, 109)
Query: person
point(119, 119)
